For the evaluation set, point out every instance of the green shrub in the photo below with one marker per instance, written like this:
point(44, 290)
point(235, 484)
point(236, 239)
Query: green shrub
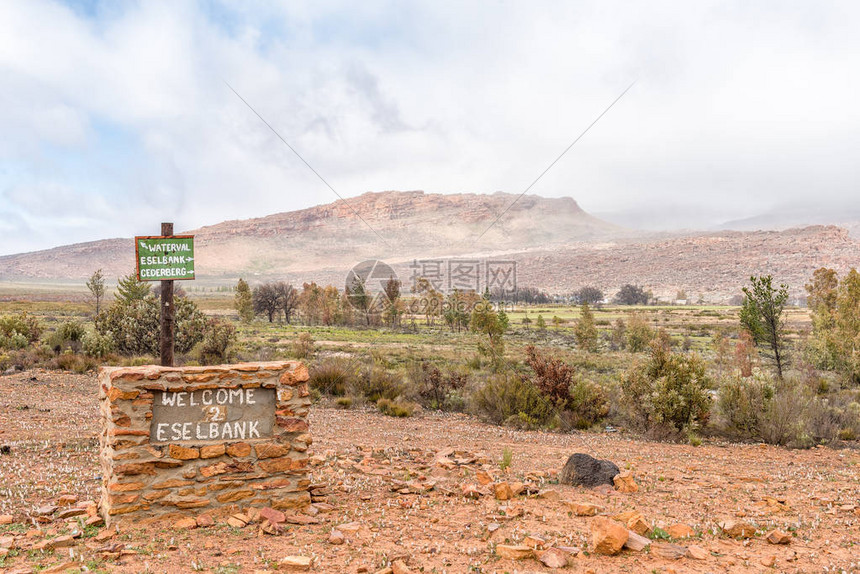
point(303, 346)
point(508, 399)
point(741, 404)
point(581, 403)
point(332, 376)
point(638, 333)
point(588, 405)
point(436, 389)
point(401, 409)
point(343, 402)
point(135, 326)
point(669, 392)
point(218, 340)
point(69, 335)
point(13, 341)
point(69, 361)
point(18, 331)
point(788, 413)
point(97, 345)
point(376, 383)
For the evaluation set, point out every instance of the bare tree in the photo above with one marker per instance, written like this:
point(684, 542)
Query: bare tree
point(289, 299)
point(267, 300)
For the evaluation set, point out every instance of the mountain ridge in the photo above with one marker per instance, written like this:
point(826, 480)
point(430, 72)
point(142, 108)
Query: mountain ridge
point(556, 245)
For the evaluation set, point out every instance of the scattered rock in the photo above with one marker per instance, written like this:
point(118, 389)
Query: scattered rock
point(295, 563)
point(46, 510)
point(607, 537)
point(205, 521)
point(697, 553)
point(336, 537)
point(7, 542)
point(768, 561)
point(638, 524)
point(94, 521)
point(400, 567)
point(778, 537)
point(62, 567)
point(71, 512)
point(534, 542)
point(185, 524)
point(517, 552)
point(238, 520)
point(303, 519)
point(272, 528)
point(67, 500)
point(272, 515)
point(624, 482)
point(6, 519)
point(549, 494)
point(471, 491)
point(553, 558)
point(737, 529)
point(582, 508)
point(502, 491)
point(62, 542)
point(483, 478)
point(350, 528)
point(680, 530)
point(584, 470)
point(636, 542)
point(668, 551)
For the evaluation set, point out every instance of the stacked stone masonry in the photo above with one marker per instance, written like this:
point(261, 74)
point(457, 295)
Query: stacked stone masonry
point(154, 469)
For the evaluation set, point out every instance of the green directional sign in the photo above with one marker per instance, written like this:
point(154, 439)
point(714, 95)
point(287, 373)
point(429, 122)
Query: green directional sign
point(165, 258)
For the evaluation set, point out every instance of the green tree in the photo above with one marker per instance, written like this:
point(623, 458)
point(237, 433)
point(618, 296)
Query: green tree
point(504, 320)
point(393, 305)
point(722, 352)
point(130, 288)
point(243, 301)
point(848, 324)
point(485, 321)
point(541, 323)
point(96, 285)
point(590, 295)
point(360, 298)
point(638, 333)
point(631, 295)
point(585, 331)
point(762, 315)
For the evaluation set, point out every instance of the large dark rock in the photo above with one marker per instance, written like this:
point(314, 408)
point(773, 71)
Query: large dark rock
point(584, 470)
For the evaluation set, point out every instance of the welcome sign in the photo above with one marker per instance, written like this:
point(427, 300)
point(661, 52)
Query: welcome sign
point(212, 414)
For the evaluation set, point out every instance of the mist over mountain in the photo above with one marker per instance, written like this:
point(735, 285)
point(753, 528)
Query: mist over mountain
point(555, 244)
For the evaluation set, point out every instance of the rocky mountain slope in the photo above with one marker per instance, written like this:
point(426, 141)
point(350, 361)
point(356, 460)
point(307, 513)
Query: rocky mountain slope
point(555, 244)
point(388, 225)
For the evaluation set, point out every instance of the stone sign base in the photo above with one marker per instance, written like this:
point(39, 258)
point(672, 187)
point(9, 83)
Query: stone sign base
point(183, 440)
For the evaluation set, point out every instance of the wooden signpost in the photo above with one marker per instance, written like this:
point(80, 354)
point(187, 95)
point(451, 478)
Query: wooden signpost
point(165, 258)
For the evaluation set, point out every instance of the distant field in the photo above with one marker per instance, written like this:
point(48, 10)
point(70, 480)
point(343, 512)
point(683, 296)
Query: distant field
point(691, 326)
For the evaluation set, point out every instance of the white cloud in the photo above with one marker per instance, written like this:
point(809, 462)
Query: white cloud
point(737, 108)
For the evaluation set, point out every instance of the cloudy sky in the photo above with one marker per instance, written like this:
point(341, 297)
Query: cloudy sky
point(116, 116)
